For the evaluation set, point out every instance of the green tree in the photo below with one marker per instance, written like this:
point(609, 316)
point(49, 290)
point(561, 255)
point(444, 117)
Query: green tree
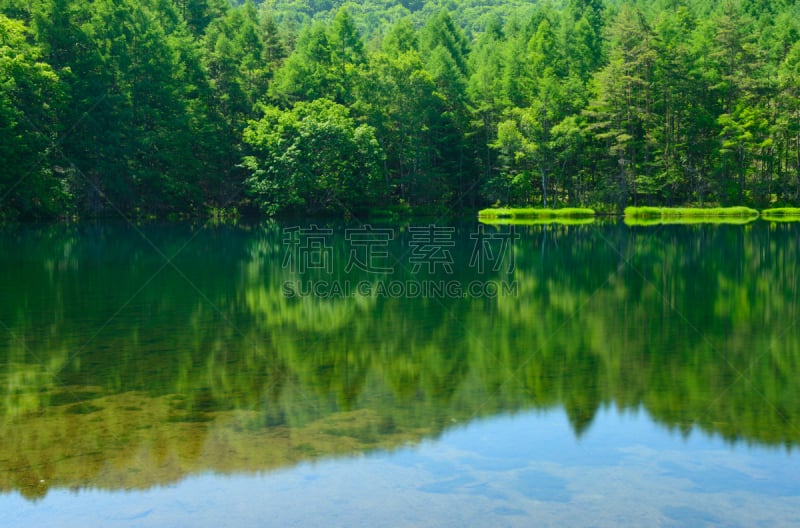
point(485, 91)
point(517, 78)
point(198, 14)
point(235, 61)
point(401, 38)
point(682, 137)
point(348, 55)
point(736, 62)
point(31, 185)
point(306, 74)
point(583, 29)
point(399, 99)
point(313, 158)
point(788, 126)
point(327, 62)
point(447, 51)
point(136, 90)
point(621, 115)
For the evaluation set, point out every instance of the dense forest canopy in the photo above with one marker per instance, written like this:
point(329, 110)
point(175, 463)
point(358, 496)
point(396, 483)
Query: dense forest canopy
point(327, 107)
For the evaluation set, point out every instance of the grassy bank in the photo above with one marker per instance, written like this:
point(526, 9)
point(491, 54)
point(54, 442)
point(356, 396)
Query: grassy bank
point(534, 221)
point(688, 220)
point(781, 214)
point(536, 213)
point(690, 212)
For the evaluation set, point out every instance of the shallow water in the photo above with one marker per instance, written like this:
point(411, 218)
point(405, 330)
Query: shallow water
point(399, 375)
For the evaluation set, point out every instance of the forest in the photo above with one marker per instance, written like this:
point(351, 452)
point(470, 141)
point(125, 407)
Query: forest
point(205, 107)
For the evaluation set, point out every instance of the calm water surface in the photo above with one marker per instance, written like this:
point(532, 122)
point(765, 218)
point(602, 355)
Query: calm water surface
point(334, 374)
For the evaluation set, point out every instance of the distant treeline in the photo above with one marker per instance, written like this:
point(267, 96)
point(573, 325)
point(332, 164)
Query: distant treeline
point(196, 106)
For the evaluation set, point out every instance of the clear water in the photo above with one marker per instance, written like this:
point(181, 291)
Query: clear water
point(195, 375)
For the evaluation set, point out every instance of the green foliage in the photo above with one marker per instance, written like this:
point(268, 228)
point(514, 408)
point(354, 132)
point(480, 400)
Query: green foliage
point(141, 107)
point(30, 95)
point(313, 158)
point(327, 62)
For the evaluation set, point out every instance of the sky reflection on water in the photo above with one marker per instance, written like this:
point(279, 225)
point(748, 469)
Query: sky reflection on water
point(520, 470)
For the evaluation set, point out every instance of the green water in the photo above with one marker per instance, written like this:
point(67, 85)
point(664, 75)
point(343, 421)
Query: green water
point(137, 357)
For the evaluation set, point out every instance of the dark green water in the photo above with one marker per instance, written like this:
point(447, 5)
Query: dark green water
point(192, 356)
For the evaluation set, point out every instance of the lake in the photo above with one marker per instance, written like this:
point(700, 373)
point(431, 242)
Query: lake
point(416, 374)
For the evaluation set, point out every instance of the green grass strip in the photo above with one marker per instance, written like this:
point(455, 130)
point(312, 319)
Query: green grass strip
point(689, 220)
point(534, 221)
point(690, 212)
point(781, 212)
point(532, 212)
